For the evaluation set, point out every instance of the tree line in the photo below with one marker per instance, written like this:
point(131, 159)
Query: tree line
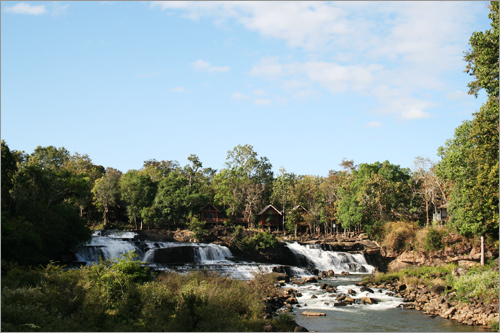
point(51, 195)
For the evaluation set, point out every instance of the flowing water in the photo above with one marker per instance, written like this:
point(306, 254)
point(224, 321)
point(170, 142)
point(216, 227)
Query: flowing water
point(381, 317)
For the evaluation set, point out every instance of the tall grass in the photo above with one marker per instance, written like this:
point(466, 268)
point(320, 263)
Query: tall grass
point(121, 296)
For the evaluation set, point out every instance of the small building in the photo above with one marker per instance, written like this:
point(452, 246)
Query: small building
point(213, 216)
point(210, 214)
point(442, 213)
point(270, 217)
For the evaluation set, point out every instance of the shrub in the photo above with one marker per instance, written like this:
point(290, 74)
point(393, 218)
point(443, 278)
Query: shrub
point(198, 227)
point(433, 240)
point(476, 284)
point(284, 323)
point(400, 235)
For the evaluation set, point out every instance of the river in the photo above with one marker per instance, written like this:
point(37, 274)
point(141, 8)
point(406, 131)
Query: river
point(386, 316)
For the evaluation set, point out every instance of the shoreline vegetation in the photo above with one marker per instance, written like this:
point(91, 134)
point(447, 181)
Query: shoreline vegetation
point(120, 295)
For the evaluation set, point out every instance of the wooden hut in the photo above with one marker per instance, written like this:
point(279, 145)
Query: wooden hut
point(270, 217)
point(210, 214)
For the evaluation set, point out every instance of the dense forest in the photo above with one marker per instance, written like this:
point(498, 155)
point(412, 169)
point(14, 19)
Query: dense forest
point(51, 197)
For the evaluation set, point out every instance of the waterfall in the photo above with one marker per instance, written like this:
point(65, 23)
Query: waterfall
point(326, 260)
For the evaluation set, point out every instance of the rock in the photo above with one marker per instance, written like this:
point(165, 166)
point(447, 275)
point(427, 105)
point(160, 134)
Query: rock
point(172, 255)
point(341, 298)
point(310, 279)
point(314, 296)
point(344, 273)
point(351, 292)
point(368, 300)
point(292, 300)
point(437, 289)
point(323, 286)
point(349, 300)
point(330, 273)
point(283, 277)
point(331, 289)
point(339, 304)
point(402, 287)
point(298, 295)
point(366, 289)
point(300, 329)
point(313, 313)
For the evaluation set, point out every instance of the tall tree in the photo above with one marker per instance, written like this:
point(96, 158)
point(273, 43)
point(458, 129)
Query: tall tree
point(106, 191)
point(470, 159)
point(138, 191)
point(245, 182)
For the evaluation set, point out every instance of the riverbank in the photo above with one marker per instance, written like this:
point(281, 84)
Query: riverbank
point(467, 296)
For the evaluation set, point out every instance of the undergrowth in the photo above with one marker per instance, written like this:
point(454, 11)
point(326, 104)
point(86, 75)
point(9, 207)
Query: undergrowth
point(121, 295)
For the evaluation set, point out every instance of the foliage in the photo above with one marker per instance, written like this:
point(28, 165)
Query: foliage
point(106, 191)
point(470, 159)
point(433, 240)
point(476, 284)
point(176, 199)
point(400, 235)
point(198, 227)
point(285, 322)
point(120, 296)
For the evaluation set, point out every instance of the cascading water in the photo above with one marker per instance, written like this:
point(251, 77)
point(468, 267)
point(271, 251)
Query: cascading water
point(336, 261)
point(113, 244)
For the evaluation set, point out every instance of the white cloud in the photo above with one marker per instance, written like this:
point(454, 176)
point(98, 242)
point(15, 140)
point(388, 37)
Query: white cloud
point(238, 95)
point(407, 47)
point(178, 89)
point(456, 95)
point(202, 65)
point(373, 124)
point(24, 8)
point(58, 9)
point(262, 101)
point(414, 114)
point(260, 92)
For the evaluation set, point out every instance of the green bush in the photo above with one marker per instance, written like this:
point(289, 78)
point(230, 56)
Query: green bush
point(433, 240)
point(120, 295)
point(198, 227)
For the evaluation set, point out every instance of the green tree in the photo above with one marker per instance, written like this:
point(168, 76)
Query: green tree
point(39, 223)
point(470, 159)
point(176, 200)
point(138, 191)
point(245, 183)
point(106, 191)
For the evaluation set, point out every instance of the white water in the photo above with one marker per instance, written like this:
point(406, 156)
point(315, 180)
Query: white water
point(336, 261)
point(114, 244)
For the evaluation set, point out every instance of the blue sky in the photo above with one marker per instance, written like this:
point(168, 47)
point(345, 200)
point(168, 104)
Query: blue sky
point(306, 84)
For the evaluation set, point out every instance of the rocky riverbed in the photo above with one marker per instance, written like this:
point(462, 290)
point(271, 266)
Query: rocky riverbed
point(431, 301)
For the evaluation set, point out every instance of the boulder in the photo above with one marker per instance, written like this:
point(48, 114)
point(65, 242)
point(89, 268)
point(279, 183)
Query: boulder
point(170, 255)
point(341, 298)
point(368, 300)
point(437, 289)
point(331, 289)
point(314, 296)
point(344, 273)
point(349, 300)
point(292, 300)
point(313, 313)
point(299, 328)
point(339, 304)
point(330, 273)
point(351, 292)
point(367, 289)
point(323, 286)
point(310, 279)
